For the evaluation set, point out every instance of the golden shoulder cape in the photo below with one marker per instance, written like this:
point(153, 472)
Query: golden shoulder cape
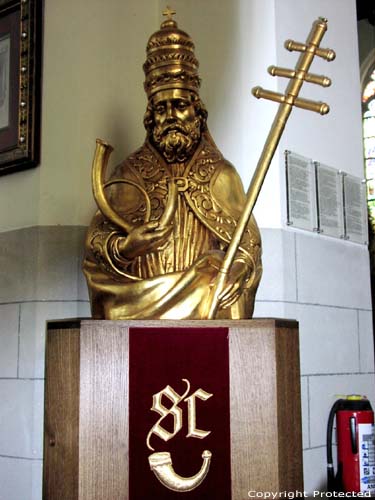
point(173, 282)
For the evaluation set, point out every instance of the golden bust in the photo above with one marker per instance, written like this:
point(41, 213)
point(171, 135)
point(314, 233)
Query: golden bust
point(166, 216)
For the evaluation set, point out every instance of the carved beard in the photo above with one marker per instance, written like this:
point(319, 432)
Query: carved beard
point(177, 141)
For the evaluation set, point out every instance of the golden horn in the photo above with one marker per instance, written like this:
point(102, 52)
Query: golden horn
point(162, 467)
point(99, 166)
point(171, 205)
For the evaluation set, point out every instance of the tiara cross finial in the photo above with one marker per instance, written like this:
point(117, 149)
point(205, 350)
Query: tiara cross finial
point(169, 13)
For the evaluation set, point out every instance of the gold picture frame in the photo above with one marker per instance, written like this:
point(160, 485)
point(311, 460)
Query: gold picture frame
point(20, 84)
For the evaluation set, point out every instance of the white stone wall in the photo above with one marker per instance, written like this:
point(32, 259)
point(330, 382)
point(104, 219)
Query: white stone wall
point(40, 279)
point(324, 284)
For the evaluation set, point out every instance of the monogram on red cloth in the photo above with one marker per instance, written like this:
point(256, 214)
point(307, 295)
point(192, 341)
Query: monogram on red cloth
point(179, 405)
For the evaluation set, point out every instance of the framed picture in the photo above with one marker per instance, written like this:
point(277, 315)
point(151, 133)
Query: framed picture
point(20, 84)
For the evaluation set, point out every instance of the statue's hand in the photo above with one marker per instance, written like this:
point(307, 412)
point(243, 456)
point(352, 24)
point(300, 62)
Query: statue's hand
point(143, 239)
point(236, 280)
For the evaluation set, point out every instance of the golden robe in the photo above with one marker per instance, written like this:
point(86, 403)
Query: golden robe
point(172, 282)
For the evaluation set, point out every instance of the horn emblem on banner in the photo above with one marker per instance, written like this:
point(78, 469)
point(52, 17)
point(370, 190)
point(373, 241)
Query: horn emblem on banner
point(162, 467)
point(161, 462)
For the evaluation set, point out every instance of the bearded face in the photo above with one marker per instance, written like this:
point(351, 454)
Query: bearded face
point(177, 127)
point(177, 142)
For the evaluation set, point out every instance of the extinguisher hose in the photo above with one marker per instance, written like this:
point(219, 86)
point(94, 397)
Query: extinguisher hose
point(330, 470)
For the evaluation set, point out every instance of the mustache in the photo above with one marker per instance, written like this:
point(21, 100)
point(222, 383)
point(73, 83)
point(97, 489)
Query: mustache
point(173, 127)
point(187, 129)
point(175, 145)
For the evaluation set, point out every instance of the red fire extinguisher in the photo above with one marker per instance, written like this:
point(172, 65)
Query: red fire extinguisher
point(355, 446)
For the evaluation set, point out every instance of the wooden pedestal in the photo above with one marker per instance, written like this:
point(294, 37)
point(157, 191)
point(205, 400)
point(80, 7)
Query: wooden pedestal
point(87, 411)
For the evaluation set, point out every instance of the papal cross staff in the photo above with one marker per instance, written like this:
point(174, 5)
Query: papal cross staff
point(297, 76)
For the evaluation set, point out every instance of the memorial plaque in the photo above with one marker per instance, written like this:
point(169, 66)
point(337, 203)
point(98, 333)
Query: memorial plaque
point(301, 192)
point(355, 209)
point(330, 201)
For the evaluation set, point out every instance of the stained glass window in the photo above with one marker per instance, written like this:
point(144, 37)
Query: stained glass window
point(368, 100)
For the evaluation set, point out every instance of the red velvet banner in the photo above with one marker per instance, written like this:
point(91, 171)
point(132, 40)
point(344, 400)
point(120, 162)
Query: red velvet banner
point(179, 403)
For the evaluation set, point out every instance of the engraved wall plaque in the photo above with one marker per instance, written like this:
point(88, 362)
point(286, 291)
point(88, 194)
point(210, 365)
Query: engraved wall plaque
point(355, 210)
point(301, 192)
point(329, 201)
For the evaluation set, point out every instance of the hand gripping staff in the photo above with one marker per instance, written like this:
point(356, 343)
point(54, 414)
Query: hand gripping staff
point(297, 76)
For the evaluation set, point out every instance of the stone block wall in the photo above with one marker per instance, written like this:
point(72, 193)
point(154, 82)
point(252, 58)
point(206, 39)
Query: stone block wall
point(40, 279)
point(324, 284)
